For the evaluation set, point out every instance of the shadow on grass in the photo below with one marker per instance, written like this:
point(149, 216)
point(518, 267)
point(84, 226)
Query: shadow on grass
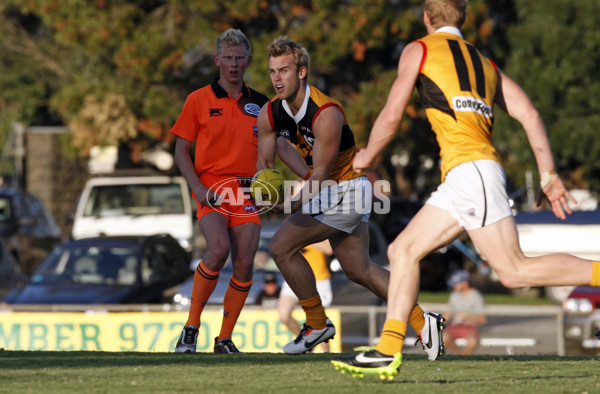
point(92, 359)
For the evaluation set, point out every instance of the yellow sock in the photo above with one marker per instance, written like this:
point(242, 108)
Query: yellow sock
point(416, 319)
point(392, 337)
point(315, 313)
point(595, 274)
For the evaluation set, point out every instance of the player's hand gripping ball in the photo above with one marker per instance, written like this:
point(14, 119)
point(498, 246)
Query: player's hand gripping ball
point(267, 187)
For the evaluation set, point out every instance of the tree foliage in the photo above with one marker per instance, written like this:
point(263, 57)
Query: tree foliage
point(117, 71)
point(553, 55)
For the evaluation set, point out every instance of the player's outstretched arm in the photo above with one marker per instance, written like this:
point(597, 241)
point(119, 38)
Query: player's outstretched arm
point(513, 99)
point(387, 122)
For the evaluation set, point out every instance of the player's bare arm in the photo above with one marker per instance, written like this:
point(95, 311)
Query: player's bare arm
point(291, 158)
point(516, 103)
point(385, 126)
point(327, 130)
point(267, 140)
point(286, 152)
point(186, 166)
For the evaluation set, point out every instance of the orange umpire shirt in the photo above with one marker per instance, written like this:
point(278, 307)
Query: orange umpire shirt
point(457, 86)
point(224, 129)
point(226, 136)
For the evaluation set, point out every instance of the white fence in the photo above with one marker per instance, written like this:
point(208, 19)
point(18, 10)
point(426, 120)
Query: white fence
point(511, 329)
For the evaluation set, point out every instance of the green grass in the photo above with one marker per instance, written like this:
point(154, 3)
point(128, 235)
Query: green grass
point(101, 372)
point(490, 299)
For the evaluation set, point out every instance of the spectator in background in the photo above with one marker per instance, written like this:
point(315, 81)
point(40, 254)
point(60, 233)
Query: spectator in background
point(467, 313)
point(269, 295)
point(316, 255)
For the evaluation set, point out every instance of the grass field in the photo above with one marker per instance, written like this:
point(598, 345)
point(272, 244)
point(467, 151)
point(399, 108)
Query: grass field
point(490, 299)
point(101, 372)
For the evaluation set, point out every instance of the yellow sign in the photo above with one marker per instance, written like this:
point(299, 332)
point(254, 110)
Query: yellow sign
point(256, 331)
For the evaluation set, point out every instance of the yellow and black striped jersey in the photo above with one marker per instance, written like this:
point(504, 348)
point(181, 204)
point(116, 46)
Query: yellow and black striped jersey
point(297, 129)
point(457, 85)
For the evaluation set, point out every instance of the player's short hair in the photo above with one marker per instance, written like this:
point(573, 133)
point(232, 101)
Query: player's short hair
point(446, 12)
point(283, 46)
point(233, 37)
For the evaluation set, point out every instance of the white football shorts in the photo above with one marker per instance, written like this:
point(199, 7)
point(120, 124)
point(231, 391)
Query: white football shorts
point(474, 193)
point(343, 205)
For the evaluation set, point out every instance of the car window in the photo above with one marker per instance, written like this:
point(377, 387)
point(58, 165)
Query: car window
point(142, 199)
point(155, 266)
point(89, 265)
point(175, 263)
point(5, 210)
point(147, 269)
point(263, 259)
point(20, 207)
point(35, 209)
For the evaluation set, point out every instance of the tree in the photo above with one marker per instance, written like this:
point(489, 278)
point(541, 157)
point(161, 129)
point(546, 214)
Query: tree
point(553, 54)
point(112, 71)
point(119, 72)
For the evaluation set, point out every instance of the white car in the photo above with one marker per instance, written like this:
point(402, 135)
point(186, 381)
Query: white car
point(542, 233)
point(136, 205)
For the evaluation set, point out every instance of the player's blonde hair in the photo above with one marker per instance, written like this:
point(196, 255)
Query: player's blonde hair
point(446, 12)
point(283, 46)
point(233, 37)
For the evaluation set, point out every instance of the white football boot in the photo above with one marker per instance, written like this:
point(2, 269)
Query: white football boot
point(431, 336)
point(309, 338)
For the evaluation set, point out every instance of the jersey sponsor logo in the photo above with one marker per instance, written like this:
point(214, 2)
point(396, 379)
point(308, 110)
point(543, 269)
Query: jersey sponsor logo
point(471, 104)
point(213, 112)
point(284, 133)
point(305, 130)
point(308, 135)
point(252, 109)
point(309, 140)
point(255, 131)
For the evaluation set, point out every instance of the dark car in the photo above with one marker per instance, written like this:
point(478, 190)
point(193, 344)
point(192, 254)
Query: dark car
point(264, 265)
point(581, 321)
point(106, 270)
point(10, 271)
point(28, 229)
